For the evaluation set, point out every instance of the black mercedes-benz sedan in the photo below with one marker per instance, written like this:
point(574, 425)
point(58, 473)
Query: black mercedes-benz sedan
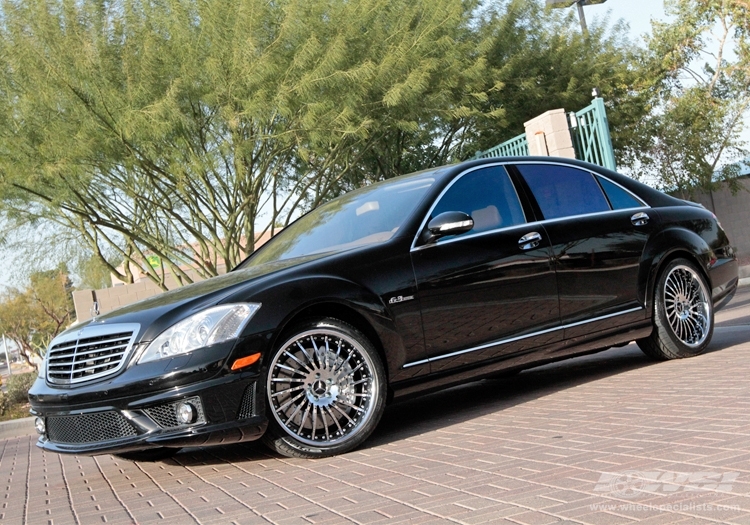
point(413, 284)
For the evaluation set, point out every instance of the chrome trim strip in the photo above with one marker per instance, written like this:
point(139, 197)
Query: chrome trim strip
point(542, 222)
point(520, 337)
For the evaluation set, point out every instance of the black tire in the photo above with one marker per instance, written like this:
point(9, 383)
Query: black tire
point(683, 314)
point(150, 454)
point(325, 390)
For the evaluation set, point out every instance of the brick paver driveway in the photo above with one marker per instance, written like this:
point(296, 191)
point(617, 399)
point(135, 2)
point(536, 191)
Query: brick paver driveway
point(607, 439)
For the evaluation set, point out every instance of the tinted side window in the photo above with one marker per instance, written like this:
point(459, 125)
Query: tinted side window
point(562, 191)
point(487, 195)
point(618, 197)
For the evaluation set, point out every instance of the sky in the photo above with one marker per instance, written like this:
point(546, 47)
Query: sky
point(637, 13)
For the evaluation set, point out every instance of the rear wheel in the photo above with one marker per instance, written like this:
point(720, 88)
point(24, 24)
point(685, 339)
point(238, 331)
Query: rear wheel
point(325, 390)
point(683, 313)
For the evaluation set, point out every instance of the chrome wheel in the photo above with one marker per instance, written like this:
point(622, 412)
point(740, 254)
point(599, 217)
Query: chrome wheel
point(322, 387)
point(687, 305)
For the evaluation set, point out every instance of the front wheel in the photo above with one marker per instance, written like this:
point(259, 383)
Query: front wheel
point(325, 390)
point(683, 313)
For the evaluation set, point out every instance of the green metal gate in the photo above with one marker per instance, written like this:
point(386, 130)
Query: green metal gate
point(515, 147)
point(589, 131)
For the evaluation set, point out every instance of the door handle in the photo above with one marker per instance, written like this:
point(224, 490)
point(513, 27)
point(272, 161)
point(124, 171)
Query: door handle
point(639, 219)
point(529, 241)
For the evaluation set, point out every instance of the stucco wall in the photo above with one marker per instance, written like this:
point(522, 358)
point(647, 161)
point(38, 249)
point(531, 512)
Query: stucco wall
point(733, 211)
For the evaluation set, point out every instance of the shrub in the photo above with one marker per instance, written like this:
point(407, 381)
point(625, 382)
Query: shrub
point(4, 403)
point(18, 386)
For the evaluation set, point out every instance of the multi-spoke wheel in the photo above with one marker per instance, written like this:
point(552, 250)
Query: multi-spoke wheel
point(325, 390)
point(683, 313)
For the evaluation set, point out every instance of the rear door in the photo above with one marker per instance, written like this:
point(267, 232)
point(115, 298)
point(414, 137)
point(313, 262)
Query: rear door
point(485, 294)
point(598, 231)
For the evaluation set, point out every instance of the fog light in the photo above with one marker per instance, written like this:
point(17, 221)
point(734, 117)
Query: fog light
point(39, 424)
point(186, 413)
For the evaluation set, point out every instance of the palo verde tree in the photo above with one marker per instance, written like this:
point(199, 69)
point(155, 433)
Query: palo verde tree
point(183, 129)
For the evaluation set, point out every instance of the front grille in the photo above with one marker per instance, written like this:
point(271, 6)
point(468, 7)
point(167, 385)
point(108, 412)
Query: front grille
point(166, 415)
point(89, 428)
point(90, 353)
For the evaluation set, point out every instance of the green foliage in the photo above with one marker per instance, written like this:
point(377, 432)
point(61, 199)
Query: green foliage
point(32, 317)
point(18, 386)
point(699, 68)
point(543, 62)
point(92, 274)
point(185, 129)
point(4, 403)
point(175, 128)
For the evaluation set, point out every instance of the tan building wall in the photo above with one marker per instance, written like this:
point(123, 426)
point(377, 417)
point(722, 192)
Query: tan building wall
point(123, 294)
point(733, 211)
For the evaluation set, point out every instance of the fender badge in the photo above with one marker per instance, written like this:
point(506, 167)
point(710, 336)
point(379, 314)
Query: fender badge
point(400, 299)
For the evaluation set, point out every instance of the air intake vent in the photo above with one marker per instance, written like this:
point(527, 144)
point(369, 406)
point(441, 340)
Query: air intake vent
point(90, 353)
point(247, 408)
point(89, 428)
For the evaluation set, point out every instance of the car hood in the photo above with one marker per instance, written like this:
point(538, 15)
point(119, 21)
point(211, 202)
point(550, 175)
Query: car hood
point(156, 313)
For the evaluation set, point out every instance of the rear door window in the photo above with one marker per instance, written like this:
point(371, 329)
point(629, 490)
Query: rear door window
point(562, 191)
point(619, 198)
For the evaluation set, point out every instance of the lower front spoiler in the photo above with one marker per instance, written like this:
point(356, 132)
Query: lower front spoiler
point(249, 429)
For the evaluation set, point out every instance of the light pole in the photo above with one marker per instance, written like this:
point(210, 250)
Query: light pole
point(579, 3)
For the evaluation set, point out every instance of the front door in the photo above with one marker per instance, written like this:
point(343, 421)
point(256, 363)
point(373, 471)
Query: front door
point(486, 294)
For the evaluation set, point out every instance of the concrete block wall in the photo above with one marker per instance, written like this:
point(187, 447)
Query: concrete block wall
point(124, 294)
point(733, 211)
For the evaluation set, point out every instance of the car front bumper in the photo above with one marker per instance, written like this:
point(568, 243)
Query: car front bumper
point(228, 409)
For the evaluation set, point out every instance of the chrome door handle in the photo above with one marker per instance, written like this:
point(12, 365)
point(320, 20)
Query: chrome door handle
point(529, 241)
point(639, 219)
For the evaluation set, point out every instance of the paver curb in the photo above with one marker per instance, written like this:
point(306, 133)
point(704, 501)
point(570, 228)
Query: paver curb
point(17, 428)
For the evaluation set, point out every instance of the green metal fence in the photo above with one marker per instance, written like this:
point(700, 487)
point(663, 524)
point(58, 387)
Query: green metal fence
point(589, 131)
point(515, 147)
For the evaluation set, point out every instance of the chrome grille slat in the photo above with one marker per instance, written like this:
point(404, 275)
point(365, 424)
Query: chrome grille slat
point(91, 353)
point(78, 355)
point(93, 367)
point(125, 338)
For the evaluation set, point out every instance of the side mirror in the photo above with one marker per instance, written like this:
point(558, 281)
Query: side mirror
point(448, 223)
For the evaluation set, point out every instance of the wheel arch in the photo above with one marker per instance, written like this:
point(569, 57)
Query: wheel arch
point(668, 245)
point(342, 312)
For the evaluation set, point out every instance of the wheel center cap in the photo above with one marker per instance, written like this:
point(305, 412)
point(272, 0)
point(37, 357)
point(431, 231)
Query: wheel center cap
point(321, 389)
point(318, 388)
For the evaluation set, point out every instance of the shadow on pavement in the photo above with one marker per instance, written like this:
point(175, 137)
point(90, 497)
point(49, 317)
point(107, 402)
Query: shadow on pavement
point(458, 404)
point(463, 403)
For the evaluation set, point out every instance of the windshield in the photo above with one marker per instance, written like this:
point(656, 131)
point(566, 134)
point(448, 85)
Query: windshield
point(369, 215)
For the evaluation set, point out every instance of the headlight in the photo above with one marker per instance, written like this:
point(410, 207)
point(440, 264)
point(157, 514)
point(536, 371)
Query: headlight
point(211, 326)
